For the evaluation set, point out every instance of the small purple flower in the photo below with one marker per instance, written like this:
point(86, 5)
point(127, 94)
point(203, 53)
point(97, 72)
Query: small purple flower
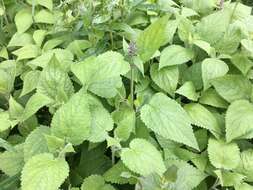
point(132, 49)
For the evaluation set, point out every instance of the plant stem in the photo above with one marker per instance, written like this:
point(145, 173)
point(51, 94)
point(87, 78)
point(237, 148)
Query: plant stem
point(132, 83)
point(113, 155)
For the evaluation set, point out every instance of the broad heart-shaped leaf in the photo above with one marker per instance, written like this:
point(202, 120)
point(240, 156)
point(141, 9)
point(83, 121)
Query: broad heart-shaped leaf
point(175, 55)
point(167, 118)
point(245, 166)
point(242, 62)
point(223, 155)
point(45, 3)
point(166, 78)
point(101, 120)
point(23, 20)
point(239, 119)
point(36, 102)
point(188, 90)
point(36, 142)
point(143, 158)
point(20, 39)
point(101, 75)
point(150, 40)
point(38, 36)
point(212, 68)
point(12, 161)
point(233, 87)
point(72, 120)
point(95, 182)
point(203, 118)
point(43, 171)
point(54, 82)
point(125, 118)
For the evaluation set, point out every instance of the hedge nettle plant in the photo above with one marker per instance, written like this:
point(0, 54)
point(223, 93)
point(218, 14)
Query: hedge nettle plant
point(126, 95)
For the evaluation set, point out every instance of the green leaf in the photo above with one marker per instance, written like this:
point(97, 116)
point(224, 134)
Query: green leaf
point(233, 87)
point(170, 31)
point(229, 178)
point(4, 53)
point(54, 82)
point(43, 171)
point(239, 120)
point(95, 182)
point(203, 118)
point(175, 55)
point(205, 46)
point(166, 78)
point(36, 143)
point(72, 120)
point(140, 150)
point(45, 3)
point(12, 162)
point(212, 68)
point(23, 20)
point(22, 39)
point(38, 36)
point(248, 45)
point(244, 186)
point(242, 63)
point(188, 90)
point(212, 98)
point(27, 52)
point(5, 122)
point(64, 57)
point(15, 109)
point(206, 30)
point(101, 121)
point(30, 82)
point(113, 175)
point(188, 177)
point(124, 117)
point(245, 166)
point(101, 75)
point(150, 40)
point(54, 144)
point(44, 16)
point(36, 102)
point(223, 155)
point(167, 118)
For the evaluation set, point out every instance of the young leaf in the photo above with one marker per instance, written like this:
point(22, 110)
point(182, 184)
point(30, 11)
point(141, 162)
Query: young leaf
point(223, 155)
point(23, 20)
point(175, 55)
point(212, 68)
point(203, 118)
point(36, 142)
point(43, 171)
point(233, 87)
point(188, 90)
point(72, 120)
point(167, 118)
point(166, 78)
point(101, 75)
point(239, 120)
point(95, 182)
point(140, 150)
point(150, 40)
point(44, 16)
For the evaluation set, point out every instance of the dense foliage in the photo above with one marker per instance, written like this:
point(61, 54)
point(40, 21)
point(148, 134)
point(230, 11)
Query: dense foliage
point(126, 94)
